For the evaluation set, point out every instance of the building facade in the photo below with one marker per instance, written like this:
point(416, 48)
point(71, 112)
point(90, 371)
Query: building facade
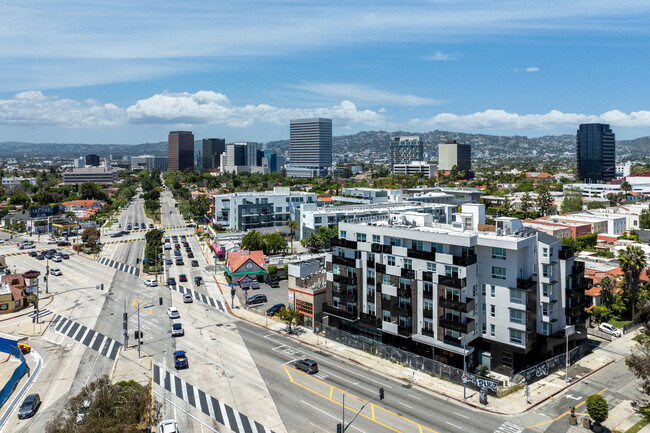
point(180, 150)
point(149, 162)
point(502, 297)
point(17, 181)
point(428, 170)
point(310, 147)
point(596, 153)
point(405, 150)
point(102, 175)
point(453, 153)
point(213, 149)
point(92, 160)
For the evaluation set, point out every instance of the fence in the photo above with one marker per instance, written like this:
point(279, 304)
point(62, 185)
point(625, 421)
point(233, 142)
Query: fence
point(598, 333)
point(543, 369)
point(629, 327)
point(410, 360)
point(18, 373)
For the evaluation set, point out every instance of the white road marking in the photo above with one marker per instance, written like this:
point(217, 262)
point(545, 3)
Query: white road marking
point(462, 416)
point(319, 427)
point(417, 398)
point(453, 425)
point(330, 415)
point(404, 404)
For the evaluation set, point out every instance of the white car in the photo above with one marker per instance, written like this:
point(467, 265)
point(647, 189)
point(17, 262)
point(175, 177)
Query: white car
point(169, 426)
point(57, 259)
point(52, 241)
point(55, 271)
point(151, 283)
point(609, 329)
point(177, 330)
point(172, 312)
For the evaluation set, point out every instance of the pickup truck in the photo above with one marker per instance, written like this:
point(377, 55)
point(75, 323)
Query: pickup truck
point(180, 359)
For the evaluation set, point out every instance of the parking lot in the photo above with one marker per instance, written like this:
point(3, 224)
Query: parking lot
point(274, 296)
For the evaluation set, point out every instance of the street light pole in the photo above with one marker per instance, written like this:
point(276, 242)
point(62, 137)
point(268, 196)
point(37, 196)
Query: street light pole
point(47, 273)
point(568, 331)
point(343, 417)
point(139, 339)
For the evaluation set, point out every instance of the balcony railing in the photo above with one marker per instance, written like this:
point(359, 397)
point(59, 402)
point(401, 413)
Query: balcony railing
point(381, 268)
point(525, 284)
point(578, 268)
point(565, 253)
point(408, 273)
point(458, 283)
point(404, 331)
point(370, 281)
point(345, 279)
point(463, 307)
point(336, 242)
point(369, 319)
point(340, 312)
point(427, 332)
point(346, 261)
point(404, 310)
point(464, 260)
point(370, 263)
point(454, 325)
point(427, 313)
point(451, 340)
point(427, 276)
point(380, 248)
point(424, 255)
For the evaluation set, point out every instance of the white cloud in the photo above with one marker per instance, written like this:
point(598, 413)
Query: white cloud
point(35, 109)
point(364, 93)
point(532, 69)
point(500, 119)
point(439, 56)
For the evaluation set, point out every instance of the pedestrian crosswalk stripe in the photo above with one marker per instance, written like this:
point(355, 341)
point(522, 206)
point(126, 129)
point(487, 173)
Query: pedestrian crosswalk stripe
point(215, 303)
point(88, 337)
point(217, 410)
point(119, 266)
point(41, 313)
point(508, 427)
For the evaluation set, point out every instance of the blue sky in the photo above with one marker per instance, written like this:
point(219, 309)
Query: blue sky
point(129, 72)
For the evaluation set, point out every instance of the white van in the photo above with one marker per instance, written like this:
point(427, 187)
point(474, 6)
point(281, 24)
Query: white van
point(168, 245)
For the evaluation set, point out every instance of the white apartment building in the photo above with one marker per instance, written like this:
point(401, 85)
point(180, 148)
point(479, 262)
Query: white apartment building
point(601, 223)
point(428, 170)
point(16, 181)
point(502, 298)
point(638, 184)
point(361, 195)
point(259, 209)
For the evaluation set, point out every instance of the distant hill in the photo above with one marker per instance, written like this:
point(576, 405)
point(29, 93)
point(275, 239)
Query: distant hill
point(75, 150)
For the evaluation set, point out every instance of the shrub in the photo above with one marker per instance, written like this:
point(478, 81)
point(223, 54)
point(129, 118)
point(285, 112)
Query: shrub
point(597, 408)
point(272, 269)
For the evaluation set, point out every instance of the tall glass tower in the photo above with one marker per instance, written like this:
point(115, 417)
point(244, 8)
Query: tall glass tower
point(596, 153)
point(310, 147)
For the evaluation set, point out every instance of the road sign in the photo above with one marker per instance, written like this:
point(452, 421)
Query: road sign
point(465, 378)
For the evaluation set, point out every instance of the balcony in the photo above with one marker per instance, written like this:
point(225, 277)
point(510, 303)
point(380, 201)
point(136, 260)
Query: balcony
point(345, 280)
point(370, 281)
point(578, 268)
point(404, 331)
point(464, 260)
point(348, 294)
point(565, 253)
point(336, 242)
point(340, 313)
point(526, 284)
point(427, 292)
point(427, 276)
point(451, 340)
point(369, 319)
point(375, 248)
point(381, 268)
point(463, 307)
point(455, 282)
point(404, 310)
point(370, 263)
point(380, 248)
point(352, 263)
point(427, 332)
point(427, 313)
point(419, 254)
point(408, 273)
point(463, 328)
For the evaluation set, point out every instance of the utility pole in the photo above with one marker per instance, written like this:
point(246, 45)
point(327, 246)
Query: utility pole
point(47, 272)
point(139, 332)
point(37, 298)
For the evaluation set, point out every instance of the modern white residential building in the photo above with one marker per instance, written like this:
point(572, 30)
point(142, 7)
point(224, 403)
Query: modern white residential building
point(405, 150)
point(368, 196)
point(428, 170)
point(501, 297)
point(16, 181)
point(103, 175)
point(638, 184)
point(261, 209)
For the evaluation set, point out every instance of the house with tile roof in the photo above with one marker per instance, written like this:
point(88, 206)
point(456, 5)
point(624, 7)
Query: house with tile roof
point(245, 263)
point(12, 295)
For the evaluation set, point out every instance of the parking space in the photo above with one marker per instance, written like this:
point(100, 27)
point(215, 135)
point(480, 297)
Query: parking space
point(273, 295)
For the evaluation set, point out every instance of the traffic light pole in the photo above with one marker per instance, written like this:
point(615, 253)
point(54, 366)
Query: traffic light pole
point(139, 333)
point(125, 325)
point(341, 428)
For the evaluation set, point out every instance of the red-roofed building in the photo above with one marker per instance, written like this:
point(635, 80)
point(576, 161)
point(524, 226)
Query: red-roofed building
point(83, 208)
point(12, 295)
point(246, 263)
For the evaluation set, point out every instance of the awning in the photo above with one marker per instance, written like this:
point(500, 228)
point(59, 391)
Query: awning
point(218, 249)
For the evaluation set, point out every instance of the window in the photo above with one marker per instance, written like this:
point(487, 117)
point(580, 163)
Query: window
point(336, 287)
point(431, 266)
point(516, 336)
point(428, 287)
point(474, 290)
point(452, 315)
point(404, 302)
point(408, 264)
point(547, 309)
point(390, 260)
point(547, 289)
point(427, 304)
point(483, 328)
point(371, 273)
point(452, 334)
point(351, 306)
point(371, 290)
point(340, 252)
point(546, 329)
point(336, 302)
point(404, 322)
point(453, 294)
point(376, 238)
point(498, 273)
point(493, 291)
point(336, 269)
point(547, 271)
point(350, 289)
point(517, 316)
point(371, 308)
point(395, 242)
point(483, 289)
point(343, 234)
point(371, 257)
point(437, 248)
point(451, 271)
point(498, 253)
point(385, 315)
point(506, 359)
point(404, 284)
point(385, 297)
point(417, 245)
point(493, 310)
point(550, 254)
point(483, 307)
point(385, 279)
point(427, 324)
point(517, 296)
point(493, 330)
point(544, 252)
point(361, 237)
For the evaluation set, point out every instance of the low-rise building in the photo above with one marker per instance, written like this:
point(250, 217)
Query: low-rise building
point(428, 170)
point(83, 208)
point(245, 263)
point(101, 175)
point(368, 196)
point(307, 285)
point(11, 182)
point(12, 296)
point(149, 162)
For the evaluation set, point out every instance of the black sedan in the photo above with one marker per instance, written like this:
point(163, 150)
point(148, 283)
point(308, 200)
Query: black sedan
point(30, 406)
point(182, 278)
point(257, 299)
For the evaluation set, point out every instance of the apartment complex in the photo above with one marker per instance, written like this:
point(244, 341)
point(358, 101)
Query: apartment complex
point(102, 175)
point(362, 195)
point(503, 297)
point(260, 209)
point(405, 150)
point(149, 162)
point(17, 181)
point(180, 150)
point(596, 153)
point(213, 149)
point(452, 153)
point(310, 147)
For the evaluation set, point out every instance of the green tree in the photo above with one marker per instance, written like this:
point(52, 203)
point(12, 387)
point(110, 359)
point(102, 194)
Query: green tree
point(596, 205)
point(572, 200)
point(597, 408)
point(90, 236)
point(506, 207)
point(274, 242)
point(199, 206)
point(526, 202)
point(91, 191)
point(626, 187)
point(632, 261)
point(253, 240)
point(639, 361)
point(545, 201)
point(43, 197)
point(19, 198)
point(290, 317)
point(607, 291)
point(293, 226)
point(644, 219)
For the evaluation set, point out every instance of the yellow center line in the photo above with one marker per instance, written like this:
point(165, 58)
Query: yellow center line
point(565, 413)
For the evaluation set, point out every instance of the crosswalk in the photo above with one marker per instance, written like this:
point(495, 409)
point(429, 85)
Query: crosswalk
point(215, 303)
point(508, 427)
point(217, 410)
point(22, 253)
point(41, 313)
point(120, 266)
point(86, 336)
point(123, 241)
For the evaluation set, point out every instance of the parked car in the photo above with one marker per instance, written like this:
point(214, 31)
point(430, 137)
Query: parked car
point(180, 359)
point(179, 262)
point(150, 226)
point(169, 262)
point(187, 298)
point(171, 281)
point(128, 226)
point(40, 257)
point(150, 283)
point(57, 259)
point(30, 406)
point(195, 263)
point(307, 365)
point(190, 255)
point(609, 329)
point(198, 280)
point(177, 253)
point(56, 271)
point(255, 285)
point(172, 312)
point(257, 299)
point(168, 426)
point(52, 241)
point(33, 254)
point(182, 278)
point(274, 309)
point(26, 246)
point(116, 235)
point(177, 330)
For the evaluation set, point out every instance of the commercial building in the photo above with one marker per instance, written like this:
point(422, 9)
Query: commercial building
point(596, 153)
point(149, 162)
point(101, 175)
point(270, 160)
point(452, 153)
point(307, 286)
point(258, 210)
point(362, 195)
point(243, 156)
point(11, 182)
point(428, 170)
point(310, 147)
point(79, 162)
point(500, 298)
point(213, 149)
point(405, 150)
point(92, 160)
point(180, 150)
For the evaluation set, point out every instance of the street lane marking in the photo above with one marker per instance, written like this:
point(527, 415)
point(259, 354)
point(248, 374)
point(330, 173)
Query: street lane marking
point(462, 416)
point(564, 414)
point(415, 397)
point(146, 307)
point(328, 414)
point(453, 425)
point(508, 427)
point(404, 404)
point(102, 344)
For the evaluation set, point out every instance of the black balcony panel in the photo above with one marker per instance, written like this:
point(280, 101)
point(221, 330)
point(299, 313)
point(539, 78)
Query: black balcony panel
point(463, 328)
point(423, 255)
point(458, 283)
point(526, 284)
point(463, 307)
point(464, 260)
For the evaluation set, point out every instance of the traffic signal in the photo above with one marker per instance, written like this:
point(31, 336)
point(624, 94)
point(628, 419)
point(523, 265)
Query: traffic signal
point(160, 301)
point(381, 393)
point(339, 428)
point(135, 333)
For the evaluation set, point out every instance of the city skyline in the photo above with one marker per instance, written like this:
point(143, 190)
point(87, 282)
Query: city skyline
point(503, 69)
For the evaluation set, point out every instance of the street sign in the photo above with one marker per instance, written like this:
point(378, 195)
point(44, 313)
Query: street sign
point(465, 378)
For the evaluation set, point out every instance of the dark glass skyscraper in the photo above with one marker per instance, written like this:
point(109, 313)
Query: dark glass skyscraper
point(180, 150)
point(596, 153)
point(213, 149)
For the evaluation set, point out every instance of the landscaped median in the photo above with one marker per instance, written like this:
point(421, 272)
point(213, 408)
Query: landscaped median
point(152, 263)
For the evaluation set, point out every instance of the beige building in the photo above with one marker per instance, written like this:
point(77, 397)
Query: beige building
point(307, 285)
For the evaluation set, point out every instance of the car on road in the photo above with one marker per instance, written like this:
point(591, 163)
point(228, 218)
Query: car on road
point(191, 225)
point(56, 271)
point(40, 257)
point(116, 235)
point(65, 256)
point(177, 253)
point(307, 365)
point(30, 406)
point(187, 298)
point(169, 262)
point(171, 281)
point(33, 254)
point(57, 259)
point(257, 299)
point(150, 226)
point(198, 280)
point(182, 278)
point(128, 226)
point(63, 243)
point(180, 359)
point(177, 247)
point(190, 255)
point(177, 330)
point(172, 312)
point(48, 255)
point(274, 309)
point(195, 263)
point(168, 426)
point(25, 246)
point(52, 241)
point(179, 261)
point(150, 283)
point(609, 329)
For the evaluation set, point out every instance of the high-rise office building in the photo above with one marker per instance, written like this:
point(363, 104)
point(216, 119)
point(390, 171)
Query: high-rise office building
point(596, 152)
point(213, 149)
point(405, 150)
point(310, 147)
point(180, 150)
point(92, 160)
point(453, 153)
point(270, 160)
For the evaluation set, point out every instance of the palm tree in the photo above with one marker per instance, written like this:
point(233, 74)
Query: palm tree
point(626, 187)
point(632, 261)
point(607, 291)
point(293, 226)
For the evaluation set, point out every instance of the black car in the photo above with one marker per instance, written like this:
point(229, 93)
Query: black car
point(274, 309)
point(177, 253)
point(179, 262)
point(150, 226)
point(307, 365)
point(190, 254)
point(33, 254)
point(257, 299)
point(64, 256)
point(40, 257)
point(182, 278)
point(198, 280)
point(169, 262)
point(195, 263)
point(116, 235)
point(186, 244)
point(171, 281)
point(63, 244)
point(30, 406)
point(177, 247)
point(48, 255)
